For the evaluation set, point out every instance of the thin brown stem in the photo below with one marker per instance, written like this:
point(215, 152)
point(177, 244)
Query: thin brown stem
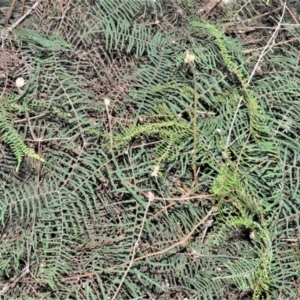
point(179, 243)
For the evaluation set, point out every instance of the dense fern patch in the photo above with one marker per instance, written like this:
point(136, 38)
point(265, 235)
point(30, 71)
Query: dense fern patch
point(152, 153)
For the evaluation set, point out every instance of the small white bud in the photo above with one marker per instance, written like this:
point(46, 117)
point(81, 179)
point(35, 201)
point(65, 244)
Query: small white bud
point(150, 196)
point(106, 101)
point(224, 154)
point(20, 82)
point(252, 235)
point(227, 2)
point(155, 171)
point(189, 57)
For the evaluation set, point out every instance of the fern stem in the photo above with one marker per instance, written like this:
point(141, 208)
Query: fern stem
point(194, 123)
point(107, 103)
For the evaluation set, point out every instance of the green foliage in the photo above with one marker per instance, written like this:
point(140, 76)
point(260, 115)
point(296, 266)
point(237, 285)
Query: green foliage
point(256, 115)
point(172, 132)
point(220, 213)
point(40, 41)
point(10, 135)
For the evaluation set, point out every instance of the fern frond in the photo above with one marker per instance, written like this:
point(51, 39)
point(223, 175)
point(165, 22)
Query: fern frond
point(39, 41)
point(171, 131)
point(256, 114)
point(11, 136)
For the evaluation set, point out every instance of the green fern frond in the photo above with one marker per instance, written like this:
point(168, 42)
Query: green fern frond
point(256, 115)
point(171, 131)
point(256, 273)
point(228, 187)
point(128, 36)
point(40, 41)
point(10, 135)
point(17, 145)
